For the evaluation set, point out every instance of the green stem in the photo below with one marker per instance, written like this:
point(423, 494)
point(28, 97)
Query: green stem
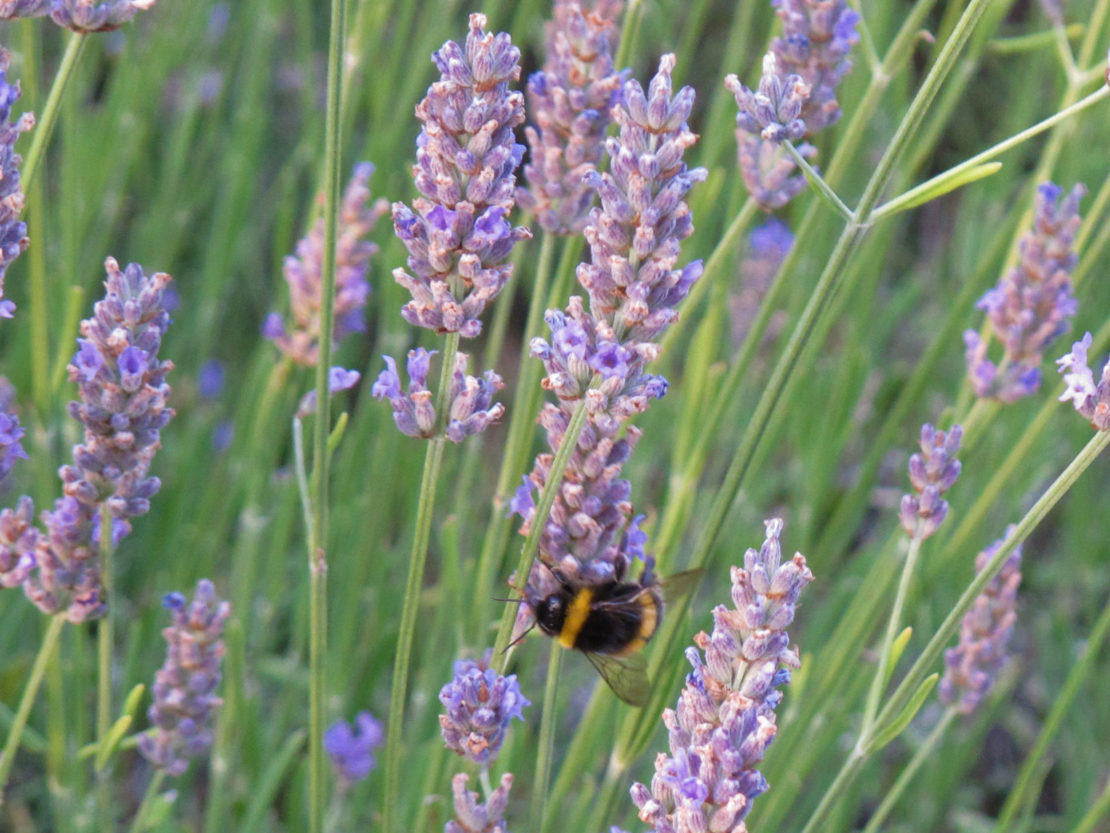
point(835, 792)
point(1090, 820)
point(951, 624)
point(104, 667)
point(518, 442)
point(538, 522)
point(318, 532)
point(138, 824)
point(547, 740)
point(1020, 796)
point(425, 511)
point(883, 668)
point(45, 124)
point(818, 182)
point(30, 690)
point(894, 205)
point(907, 775)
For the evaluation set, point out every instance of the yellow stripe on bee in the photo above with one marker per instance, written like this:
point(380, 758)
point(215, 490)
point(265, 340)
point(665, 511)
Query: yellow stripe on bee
point(576, 617)
point(648, 624)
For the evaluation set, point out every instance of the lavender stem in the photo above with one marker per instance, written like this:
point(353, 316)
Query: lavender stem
point(30, 691)
point(45, 125)
point(104, 668)
point(138, 824)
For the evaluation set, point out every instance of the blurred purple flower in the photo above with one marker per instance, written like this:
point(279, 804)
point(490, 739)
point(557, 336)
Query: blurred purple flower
point(479, 704)
point(1033, 303)
point(725, 718)
point(304, 275)
point(1091, 401)
point(474, 817)
point(339, 379)
point(932, 473)
point(92, 16)
point(185, 702)
point(13, 231)
point(456, 233)
point(768, 246)
point(18, 537)
point(210, 380)
point(15, 9)
point(973, 665)
point(569, 101)
point(351, 747)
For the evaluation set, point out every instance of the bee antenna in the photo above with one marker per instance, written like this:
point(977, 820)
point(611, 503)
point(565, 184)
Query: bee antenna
point(517, 600)
point(519, 639)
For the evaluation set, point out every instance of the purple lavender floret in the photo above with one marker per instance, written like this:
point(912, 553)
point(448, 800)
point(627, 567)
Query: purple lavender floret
point(1033, 303)
point(185, 702)
point(339, 379)
point(725, 718)
point(973, 665)
point(635, 236)
point(773, 112)
point(457, 234)
point(13, 231)
point(817, 37)
point(18, 538)
point(304, 275)
point(570, 101)
point(768, 171)
point(11, 432)
point(581, 347)
point(932, 473)
point(1091, 401)
point(470, 408)
point(91, 16)
point(122, 406)
point(350, 747)
point(16, 9)
point(479, 704)
point(473, 817)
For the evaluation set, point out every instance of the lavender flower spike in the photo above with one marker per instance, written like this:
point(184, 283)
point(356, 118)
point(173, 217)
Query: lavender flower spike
point(185, 702)
point(350, 748)
point(470, 400)
point(774, 112)
point(817, 37)
point(932, 473)
point(569, 99)
point(973, 665)
point(479, 704)
point(1091, 401)
point(90, 16)
point(304, 275)
point(457, 234)
point(1033, 304)
point(123, 394)
point(472, 817)
point(725, 718)
point(13, 231)
point(636, 234)
point(11, 432)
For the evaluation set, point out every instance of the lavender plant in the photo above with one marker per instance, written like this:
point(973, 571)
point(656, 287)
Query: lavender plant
point(1033, 304)
point(302, 271)
point(350, 747)
point(185, 702)
point(13, 231)
point(725, 718)
point(91, 16)
point(1091, 400)
point(479, 705)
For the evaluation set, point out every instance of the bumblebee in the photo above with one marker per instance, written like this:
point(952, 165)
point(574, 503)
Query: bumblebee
point(610, 623)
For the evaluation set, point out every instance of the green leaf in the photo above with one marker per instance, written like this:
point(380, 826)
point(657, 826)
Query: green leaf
point(936, 187)
point(111, 741)
point(908, 713)
point(896, 651)
point(337, 433)
point(134, 697)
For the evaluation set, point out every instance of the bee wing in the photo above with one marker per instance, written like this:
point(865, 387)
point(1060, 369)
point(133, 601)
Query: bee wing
point(681, 584)
point(625, 675)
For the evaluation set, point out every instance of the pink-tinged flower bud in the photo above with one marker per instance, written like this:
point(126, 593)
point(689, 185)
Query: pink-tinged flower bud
point(932, 472)
point(473, 817)
point(1091, 401)
point(92, 16)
